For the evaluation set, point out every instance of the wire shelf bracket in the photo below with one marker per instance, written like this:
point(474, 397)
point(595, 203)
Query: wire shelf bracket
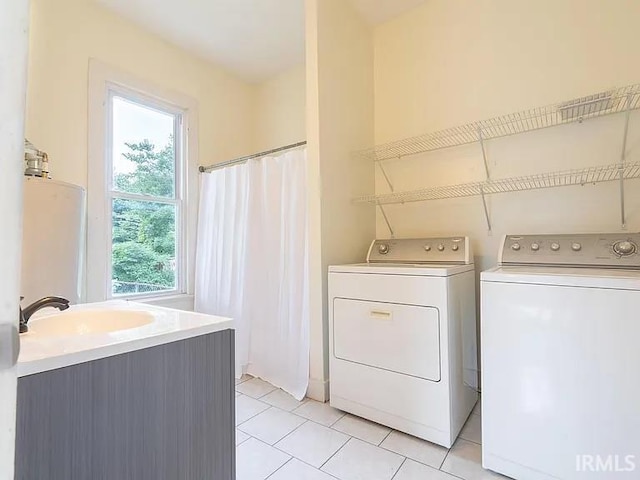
point(386, 177)
point(386, 219)
point(623, 157)
point(484, 153)
point(487, 178)
point(486, 211)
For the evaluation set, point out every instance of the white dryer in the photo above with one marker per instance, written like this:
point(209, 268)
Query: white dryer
point(560, 357)
point(402, 330)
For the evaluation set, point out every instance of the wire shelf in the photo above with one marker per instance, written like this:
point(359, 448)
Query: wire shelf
point(591, 175)
point(576, 110)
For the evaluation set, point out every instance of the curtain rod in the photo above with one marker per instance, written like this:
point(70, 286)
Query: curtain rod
point(236, 161)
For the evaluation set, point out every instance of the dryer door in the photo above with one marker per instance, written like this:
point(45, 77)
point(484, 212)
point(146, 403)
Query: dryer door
point(400, 338)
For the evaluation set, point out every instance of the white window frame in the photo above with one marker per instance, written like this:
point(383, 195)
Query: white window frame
point(105, 83)
point(114, 90)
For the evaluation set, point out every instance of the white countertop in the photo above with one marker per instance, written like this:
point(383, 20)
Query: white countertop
point(40, 353)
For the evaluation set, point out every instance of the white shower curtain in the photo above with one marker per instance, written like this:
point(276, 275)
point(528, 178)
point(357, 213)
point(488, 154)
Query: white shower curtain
point(252, 264)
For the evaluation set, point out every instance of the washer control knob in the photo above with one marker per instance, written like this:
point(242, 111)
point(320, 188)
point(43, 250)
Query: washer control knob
point(441, 247)
point(576, 247)
point(383, 248)
point(515, 246)
point(625, 247)
point(427, 248)
point(455, 247)
point(535, 247)
point(555, 246)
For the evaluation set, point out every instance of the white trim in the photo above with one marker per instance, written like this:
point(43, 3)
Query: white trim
point(145, 198)
point(178, 201)
point(102, 81)
point(113, 91)
point(177, 302)
point(14, 41)
point(318, 390)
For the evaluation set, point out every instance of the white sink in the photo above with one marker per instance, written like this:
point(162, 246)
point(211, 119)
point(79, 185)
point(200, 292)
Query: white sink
point(86, 322)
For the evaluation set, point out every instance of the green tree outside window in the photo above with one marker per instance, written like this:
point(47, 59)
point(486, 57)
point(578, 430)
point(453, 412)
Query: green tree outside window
point(144, 240)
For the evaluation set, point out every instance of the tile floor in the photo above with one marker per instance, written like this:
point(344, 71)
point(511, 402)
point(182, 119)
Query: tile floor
point(279, 438)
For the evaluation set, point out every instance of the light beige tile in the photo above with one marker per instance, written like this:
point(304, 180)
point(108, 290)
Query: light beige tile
point(272, 425)
point(255, 388)
point(411, 470)
point(256, 460)
point(247, 407)
point(297, 470)
point(359, 460)
point(282, 400)
point(243, 379)
point(241, 437)
point(362, 429)
point(415, 448)
point(477, 410)
point(465, 461)
point(321, 413)
point(472, 430)
point(312, 443)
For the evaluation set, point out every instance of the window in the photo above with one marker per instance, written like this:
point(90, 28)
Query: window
point(144, 149)
point(139, 242)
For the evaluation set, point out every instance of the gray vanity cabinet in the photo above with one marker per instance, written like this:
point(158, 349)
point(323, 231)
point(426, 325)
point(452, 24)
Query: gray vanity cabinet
point(160, 413)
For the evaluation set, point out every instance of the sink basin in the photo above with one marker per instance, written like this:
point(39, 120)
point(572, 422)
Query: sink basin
point(86, 322)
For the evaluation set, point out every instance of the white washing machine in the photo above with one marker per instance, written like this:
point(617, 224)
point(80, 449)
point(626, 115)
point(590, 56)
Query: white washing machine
point(402, 331)
point(560, 358)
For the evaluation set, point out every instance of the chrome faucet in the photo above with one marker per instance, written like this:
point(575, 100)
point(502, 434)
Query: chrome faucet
point(55, 302)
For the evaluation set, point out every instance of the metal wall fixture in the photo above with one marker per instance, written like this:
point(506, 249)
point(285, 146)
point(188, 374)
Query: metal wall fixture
point(619, 100)
point(238, 161)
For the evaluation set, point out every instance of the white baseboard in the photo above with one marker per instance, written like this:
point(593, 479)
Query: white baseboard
point(318, 390)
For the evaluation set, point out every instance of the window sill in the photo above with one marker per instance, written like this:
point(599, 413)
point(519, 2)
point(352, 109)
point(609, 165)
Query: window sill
point(179, 301)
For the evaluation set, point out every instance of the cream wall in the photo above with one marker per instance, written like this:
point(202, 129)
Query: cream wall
point(449, 62)
point(235, 118)
point(280, 111)
point(66, 33)
point(339, 121)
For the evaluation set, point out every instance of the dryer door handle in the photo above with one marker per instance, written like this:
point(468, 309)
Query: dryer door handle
point(380, 314)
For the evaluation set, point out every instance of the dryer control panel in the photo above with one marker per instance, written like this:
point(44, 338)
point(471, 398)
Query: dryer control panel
point(608, 250)
point(448, 250)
